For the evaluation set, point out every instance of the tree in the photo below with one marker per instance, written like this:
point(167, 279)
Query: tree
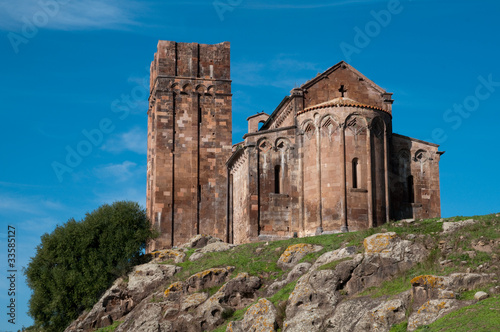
point(78, 261)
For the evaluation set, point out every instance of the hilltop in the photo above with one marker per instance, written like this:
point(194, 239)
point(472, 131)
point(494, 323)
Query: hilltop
point(433, 274)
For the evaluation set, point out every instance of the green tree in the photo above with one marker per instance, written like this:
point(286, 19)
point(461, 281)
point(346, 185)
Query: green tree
point(78, 261)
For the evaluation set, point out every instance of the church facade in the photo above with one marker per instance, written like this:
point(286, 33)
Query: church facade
point(326, 160)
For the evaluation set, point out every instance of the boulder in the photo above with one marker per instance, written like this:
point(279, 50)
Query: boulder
point(196, 256)
point(450, 227)
point(315, 296)
point(430, 287)
point(206, 279)
point(386, 255)
point(235, 294)
point(122, 297)
point(260, 317)
point(216, 247)
point(199, 241)
point(178, 256)
point(481, 296)
point(367, 314)
point(432, 310)
point(332, 256)
point(294, 253)
point(193, 300)
point(146, 317)
point(297, 271)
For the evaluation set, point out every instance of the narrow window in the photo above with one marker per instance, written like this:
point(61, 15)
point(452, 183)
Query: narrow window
point(356, 173)
point(277, 178)
point(411, 193)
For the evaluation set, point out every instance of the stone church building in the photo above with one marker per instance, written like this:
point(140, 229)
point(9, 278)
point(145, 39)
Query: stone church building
point(326, 160)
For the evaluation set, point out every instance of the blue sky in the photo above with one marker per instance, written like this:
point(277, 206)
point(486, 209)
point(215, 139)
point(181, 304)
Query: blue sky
point(67, 67)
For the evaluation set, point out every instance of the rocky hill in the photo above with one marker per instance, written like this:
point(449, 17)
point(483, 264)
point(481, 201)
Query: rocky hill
point(403, 276)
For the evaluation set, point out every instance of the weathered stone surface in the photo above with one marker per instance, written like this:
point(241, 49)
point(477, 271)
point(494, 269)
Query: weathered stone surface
point(481, 296)
point(386, 314)
point(122, 297)
point(146, 317)
point(385, 255)
point(195, 256)
point(148, 276)
point(236, 293)
point(260, 317)
point(297, 271)
point(294, 253)
point(193, 300)
point(177, 256)
point(450, 227)
point(199, 241)
point(432, 310)
point(430, 287)
point(332, 256)
point(216, 247)
point(207, 279)
point(367, 314)
point(315, 295)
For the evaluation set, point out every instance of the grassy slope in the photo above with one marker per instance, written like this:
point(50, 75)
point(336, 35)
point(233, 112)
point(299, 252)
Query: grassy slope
point(263, 264)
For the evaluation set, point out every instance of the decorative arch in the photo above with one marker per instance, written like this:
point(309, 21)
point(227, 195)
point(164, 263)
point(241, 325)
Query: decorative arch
point(187, 88)
point(377, 126)
point(200, 88)
point(308, 128)
point(282, 144)
point(211, 90)
point(356, 123)
point(175, 87)
point(421, 156)
point(264, 145)
point(328, 125)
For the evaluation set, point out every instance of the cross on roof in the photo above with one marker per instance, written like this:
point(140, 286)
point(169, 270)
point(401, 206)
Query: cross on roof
point(342, 90)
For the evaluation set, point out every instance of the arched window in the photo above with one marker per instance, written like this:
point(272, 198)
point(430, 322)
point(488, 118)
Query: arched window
point(261, 123)
point(277, 178)
point(410, 186)
point(356, 173)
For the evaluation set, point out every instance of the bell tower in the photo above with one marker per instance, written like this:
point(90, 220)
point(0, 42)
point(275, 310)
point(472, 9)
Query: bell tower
point(189, 141)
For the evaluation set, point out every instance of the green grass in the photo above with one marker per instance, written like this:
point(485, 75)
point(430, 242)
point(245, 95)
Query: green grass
point(479, 317)
point(401, 327)
point(333, 265)
point(283, 293)
point(110, 328)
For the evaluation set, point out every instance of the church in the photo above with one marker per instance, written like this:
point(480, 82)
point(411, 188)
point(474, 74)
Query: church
point(326, 160)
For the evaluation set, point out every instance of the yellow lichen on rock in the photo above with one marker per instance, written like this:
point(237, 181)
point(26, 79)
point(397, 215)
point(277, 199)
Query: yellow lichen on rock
point(175, 287)
point(428, 280)
point(378, 243)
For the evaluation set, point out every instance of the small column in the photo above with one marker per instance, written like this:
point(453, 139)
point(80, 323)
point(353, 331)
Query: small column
point(319, 230)
point(386, 173)
point(344, 227)
point(369, 177)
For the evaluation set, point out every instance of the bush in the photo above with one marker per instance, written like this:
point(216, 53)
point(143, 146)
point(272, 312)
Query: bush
point(78, 261)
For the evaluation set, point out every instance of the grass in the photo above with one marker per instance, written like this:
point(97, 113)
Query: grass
point(283, 293)
point(110, 328)
point(333, 265)
point(483, 316)
point(401, 327)
point(264, 263)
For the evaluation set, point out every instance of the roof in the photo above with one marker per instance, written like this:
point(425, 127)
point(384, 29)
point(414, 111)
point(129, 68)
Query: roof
point(341, 102)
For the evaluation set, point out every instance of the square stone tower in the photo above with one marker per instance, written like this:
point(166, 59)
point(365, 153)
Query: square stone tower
point(189, 141)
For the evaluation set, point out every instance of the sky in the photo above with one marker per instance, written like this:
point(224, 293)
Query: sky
point(66, 66)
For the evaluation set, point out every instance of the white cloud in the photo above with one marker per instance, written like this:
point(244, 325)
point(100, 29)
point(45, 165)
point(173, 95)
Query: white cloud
point(69, 14)
point(134, 140)
point(118, 172)
point(286, 71)
point(30, 205)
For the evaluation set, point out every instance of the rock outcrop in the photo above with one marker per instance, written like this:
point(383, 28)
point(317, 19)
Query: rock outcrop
point(327, 296)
